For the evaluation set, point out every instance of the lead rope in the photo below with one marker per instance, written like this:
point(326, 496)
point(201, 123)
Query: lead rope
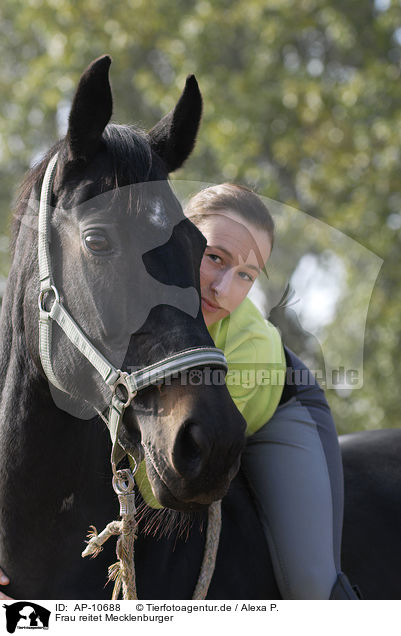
point(123, 571)
point(211, 546)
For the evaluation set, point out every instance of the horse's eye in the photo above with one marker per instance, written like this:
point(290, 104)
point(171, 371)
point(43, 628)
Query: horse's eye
point(97, 242)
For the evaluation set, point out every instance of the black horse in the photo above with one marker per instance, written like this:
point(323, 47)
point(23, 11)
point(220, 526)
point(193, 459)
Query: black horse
point(55, 477)
point(126, 264)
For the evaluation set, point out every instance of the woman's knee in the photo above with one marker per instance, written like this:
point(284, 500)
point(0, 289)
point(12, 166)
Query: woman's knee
point(312, 584)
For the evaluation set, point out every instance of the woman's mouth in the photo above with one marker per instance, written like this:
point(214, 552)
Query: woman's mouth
point(208, 306)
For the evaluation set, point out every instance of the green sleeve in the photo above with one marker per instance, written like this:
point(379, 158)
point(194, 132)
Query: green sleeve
point(256, 363)
point(256, 385)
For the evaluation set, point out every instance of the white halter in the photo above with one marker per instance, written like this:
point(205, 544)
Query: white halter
point(127, 384)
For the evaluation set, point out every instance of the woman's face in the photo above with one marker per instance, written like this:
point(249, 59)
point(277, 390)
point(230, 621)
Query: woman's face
point(234, 256)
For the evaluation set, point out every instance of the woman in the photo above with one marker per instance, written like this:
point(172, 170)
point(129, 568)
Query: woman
point(292, 459)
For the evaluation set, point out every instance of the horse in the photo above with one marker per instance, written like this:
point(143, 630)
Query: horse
point(112, 263)
point(103, 288)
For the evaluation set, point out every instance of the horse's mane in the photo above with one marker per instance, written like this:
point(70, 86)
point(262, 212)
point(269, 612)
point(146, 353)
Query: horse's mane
point(131, 158)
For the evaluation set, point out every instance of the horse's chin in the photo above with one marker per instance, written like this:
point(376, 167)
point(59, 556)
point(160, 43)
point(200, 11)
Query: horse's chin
point(167, 499)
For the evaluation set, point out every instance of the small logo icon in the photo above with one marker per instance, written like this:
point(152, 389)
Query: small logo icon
point(26, 615)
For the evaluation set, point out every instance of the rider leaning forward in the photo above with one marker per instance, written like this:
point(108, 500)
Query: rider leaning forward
point(292, 458)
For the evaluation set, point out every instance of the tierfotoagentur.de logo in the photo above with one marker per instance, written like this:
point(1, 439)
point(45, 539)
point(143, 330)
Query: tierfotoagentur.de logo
point(26, 615)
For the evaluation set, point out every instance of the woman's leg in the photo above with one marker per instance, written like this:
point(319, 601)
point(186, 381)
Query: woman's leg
point(293, 465)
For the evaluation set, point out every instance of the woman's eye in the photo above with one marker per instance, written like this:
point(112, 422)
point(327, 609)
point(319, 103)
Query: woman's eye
point(97, 242)
point(246, 276)
point(214, 258)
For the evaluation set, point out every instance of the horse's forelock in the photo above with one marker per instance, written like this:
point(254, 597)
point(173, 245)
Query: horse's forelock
point(131, 155)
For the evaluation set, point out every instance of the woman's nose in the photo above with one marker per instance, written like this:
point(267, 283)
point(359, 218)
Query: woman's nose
point(221, 284)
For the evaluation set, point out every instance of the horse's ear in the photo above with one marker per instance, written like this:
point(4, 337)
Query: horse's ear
point(173, 138)
point(91, 110)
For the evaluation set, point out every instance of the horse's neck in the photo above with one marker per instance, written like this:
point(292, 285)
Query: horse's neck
point(54, 472)
point(20, 379)
point(34, 432)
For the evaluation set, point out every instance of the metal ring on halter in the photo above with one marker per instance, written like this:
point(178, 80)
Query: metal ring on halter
point(123, 482)
point(42, 294)
point(122, 382)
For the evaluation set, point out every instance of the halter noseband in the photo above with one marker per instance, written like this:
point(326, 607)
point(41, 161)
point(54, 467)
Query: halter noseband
point(124, 386)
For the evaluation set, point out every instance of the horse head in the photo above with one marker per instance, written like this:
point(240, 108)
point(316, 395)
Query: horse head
point(126, 264)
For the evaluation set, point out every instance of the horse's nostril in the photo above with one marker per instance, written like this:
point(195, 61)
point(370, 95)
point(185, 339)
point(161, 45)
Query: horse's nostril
point(191, 448)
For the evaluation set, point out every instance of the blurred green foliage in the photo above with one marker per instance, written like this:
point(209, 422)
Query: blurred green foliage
point(302, 101)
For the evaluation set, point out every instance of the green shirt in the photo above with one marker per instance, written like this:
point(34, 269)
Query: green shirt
point(256, 363)
point(256, 372)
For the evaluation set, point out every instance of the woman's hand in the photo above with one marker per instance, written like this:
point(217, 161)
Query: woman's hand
point(4, 580)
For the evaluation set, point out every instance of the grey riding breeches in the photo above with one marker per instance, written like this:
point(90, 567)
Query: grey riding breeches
point(293, 466)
